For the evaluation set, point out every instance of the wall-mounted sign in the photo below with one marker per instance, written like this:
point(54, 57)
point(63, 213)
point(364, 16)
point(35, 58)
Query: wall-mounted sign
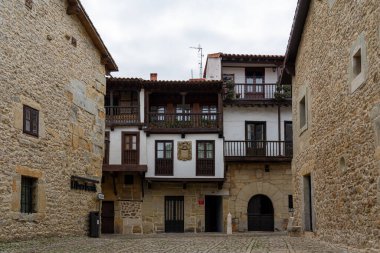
point(201, 202)
point(100, 196)
point(84, 184)
point(184, 150)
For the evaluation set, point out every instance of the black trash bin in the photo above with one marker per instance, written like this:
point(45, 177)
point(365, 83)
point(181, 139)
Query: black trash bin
point(94, 224)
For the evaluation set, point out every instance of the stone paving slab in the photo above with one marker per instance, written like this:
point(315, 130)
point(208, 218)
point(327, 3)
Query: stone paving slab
point(181, 243)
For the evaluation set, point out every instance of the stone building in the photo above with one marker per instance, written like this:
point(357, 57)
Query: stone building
point(53, 67)
point(164, 156)
point(181, 155)
point(333, 64)
point(257, 132)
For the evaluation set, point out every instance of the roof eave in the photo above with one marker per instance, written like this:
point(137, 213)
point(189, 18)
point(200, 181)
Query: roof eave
point(75, 7)
point(295, 37)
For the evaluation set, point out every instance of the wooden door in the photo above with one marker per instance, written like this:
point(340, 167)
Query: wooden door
point(130, 148)
point(255, 136)
point(260, 214)
point(288, 129)
point(174, 214)
point(108, 217)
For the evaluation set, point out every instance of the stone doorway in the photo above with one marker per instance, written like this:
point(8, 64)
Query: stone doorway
point(213, 214)
point(260, 213)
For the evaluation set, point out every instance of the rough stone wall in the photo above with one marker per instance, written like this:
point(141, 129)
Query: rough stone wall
point(126, 196)
point(245, 180)
point(130, 212)
point(194, 214)
point(339, 147)
point(41, 68)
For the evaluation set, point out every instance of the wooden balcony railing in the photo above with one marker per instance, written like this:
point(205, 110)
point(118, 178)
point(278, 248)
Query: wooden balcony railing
point(244, 91)
point(164, 167)
point(258, 149)
point(205, 167)
point(184, 120)
point(131, 157)
point(122, 115)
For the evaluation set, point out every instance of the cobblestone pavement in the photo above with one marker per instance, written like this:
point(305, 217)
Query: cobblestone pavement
point(181, 243)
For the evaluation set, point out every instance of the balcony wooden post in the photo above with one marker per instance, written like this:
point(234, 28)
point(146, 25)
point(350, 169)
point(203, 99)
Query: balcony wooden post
point(220, 111)
point(183, 94)
point(138, 105)
point(146, 105)
point(111, 102)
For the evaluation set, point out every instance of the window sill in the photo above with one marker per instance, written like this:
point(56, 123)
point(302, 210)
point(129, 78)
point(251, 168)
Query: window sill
point(28, 217)
point(303, 129)
point(357, 82)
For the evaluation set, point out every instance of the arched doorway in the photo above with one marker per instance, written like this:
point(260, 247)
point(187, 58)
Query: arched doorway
point(260, 214)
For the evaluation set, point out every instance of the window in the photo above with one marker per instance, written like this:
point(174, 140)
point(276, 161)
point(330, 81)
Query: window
point(255, 80)
point(30, 121)
point(157, 113)
point(128, 179)
point(106, 159)
point(164, 158)
point(210, 112)
point(303, 113)
point(358, 64)
point(130, 148)
point(183, 109)
point(28, 194)
point(205, 158)
point(229, 77)
point(290, 203)
point(255, 135)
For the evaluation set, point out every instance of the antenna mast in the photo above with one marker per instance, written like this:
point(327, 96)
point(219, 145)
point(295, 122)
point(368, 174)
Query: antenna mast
point(200, 55)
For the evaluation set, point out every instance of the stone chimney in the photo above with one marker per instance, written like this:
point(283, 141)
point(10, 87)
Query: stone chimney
point(153, 76)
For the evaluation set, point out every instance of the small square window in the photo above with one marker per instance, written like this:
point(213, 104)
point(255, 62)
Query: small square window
point(128, 179)
point(358, 64)
point(302, 112)
point(28, 194)
point(74, 41)
point(30, 121)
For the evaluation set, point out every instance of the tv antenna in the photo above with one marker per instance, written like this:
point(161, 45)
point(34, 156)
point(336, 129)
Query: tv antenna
point(200, 55)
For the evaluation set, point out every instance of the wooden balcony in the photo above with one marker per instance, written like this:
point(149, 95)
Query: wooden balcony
point(205, 167)
point(164, 167)
point(184, 122)
point(264, 93)
point(260, 151)
point(122, 115)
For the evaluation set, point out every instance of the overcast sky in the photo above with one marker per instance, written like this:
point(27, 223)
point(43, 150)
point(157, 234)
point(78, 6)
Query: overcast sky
point(145, 36)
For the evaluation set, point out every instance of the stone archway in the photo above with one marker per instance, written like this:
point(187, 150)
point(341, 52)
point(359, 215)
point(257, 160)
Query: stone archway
point(272, 192)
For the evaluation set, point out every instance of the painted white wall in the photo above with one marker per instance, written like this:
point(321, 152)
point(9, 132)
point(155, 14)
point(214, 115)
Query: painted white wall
point(270, 75)
point(239, 73)
point(213, 69)
point(185, 169)
point(234, 119)
point(115, 144)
